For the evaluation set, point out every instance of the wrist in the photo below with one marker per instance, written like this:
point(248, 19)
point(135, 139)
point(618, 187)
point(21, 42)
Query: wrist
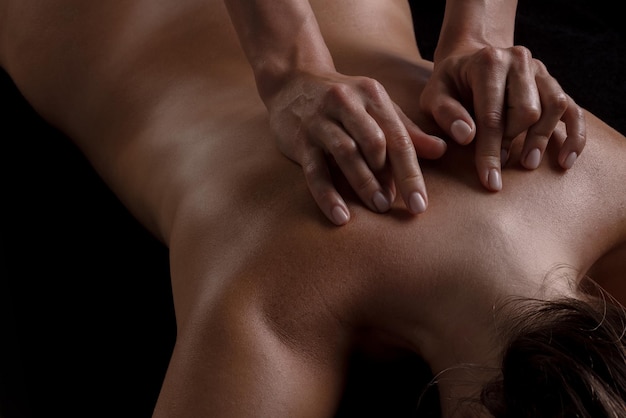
point(470, 25)
point(274, 73)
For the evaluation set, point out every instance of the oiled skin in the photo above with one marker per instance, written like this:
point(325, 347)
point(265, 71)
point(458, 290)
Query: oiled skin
point(270, 296)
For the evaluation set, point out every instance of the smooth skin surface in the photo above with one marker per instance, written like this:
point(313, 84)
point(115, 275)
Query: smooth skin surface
point(270, 297)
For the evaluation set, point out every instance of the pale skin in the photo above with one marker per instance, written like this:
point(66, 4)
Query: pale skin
point(483, 89)
point(270, 297)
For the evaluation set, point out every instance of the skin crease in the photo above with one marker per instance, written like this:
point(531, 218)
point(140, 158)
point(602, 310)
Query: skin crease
point(270, 297)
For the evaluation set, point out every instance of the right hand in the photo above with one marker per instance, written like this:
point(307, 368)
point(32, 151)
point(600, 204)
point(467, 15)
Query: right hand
point(354, 121)
point(509, 93)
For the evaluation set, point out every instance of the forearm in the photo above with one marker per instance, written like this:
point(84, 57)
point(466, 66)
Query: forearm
point(468, 23)
point(279, 37)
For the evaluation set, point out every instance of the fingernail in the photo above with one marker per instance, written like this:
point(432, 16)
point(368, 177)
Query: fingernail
point(380, 202)
point(570, 160)
point(340, 216)
point(494, 179)
point(460, 131)
point(533, 159)
point(417, 204)
point(504, 156)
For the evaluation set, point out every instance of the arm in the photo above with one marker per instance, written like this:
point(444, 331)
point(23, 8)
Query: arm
point(478, 69)
point(476, 23)
point(316, 112)
point(279, 38)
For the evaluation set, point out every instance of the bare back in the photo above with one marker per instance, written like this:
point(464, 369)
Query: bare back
point(160, 99)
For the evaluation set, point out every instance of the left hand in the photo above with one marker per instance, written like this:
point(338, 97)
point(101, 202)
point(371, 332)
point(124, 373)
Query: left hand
point(508, 92)
point(315, 116)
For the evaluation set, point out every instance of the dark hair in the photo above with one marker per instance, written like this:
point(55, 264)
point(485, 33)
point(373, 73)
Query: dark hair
point(564, 358)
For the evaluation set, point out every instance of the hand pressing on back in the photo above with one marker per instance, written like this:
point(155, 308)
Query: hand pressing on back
point(322, 117)
point(486, 90)
point(352, 122)
point(491, 95)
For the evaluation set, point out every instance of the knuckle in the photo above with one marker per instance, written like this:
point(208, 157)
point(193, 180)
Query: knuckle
point(338, 93)
point(409, 179)
point(311, 170)
point(491, 120)
point(521, 53)
point(343, 149)
point(399, 142)
point(372, 88)
point(443, 107)
point(526, 115)
point(364, 184)
point(558, 102)
point(488, 159)
point(490, 56)
point(374, 143)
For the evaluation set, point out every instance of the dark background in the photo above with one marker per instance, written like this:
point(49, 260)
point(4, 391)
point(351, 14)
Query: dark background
point(86, 319)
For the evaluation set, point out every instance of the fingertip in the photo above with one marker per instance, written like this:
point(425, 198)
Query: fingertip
point(339, 215)
point(417, 203)
point(461, 131)
point(569, 160)
point(381, 202)
point(494, 180)
point(533, 159)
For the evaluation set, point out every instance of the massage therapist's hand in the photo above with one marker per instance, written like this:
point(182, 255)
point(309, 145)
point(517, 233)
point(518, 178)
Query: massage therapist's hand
point(320, 115)
point(509, 92)
point(318, 118)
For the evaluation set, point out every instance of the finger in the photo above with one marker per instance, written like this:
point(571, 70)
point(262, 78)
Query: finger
point(354, 167)
point(348, 105)
point(576, 128)
point(386, 181)
point(322, 189)
point(369, 137)
point(406, 171)
point(489, 103)
point(401, 154)
point(426, 146)
point(488, 164)
point(451, 116)
point(554, 103)
point(523, 103)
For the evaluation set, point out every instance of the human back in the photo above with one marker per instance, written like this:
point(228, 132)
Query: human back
point(185, 145)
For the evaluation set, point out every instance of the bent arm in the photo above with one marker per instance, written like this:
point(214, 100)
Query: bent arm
point(279, 37)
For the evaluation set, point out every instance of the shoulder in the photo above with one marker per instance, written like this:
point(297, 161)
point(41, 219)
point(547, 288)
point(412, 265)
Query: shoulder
point(608, 272)
point(232, 360)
